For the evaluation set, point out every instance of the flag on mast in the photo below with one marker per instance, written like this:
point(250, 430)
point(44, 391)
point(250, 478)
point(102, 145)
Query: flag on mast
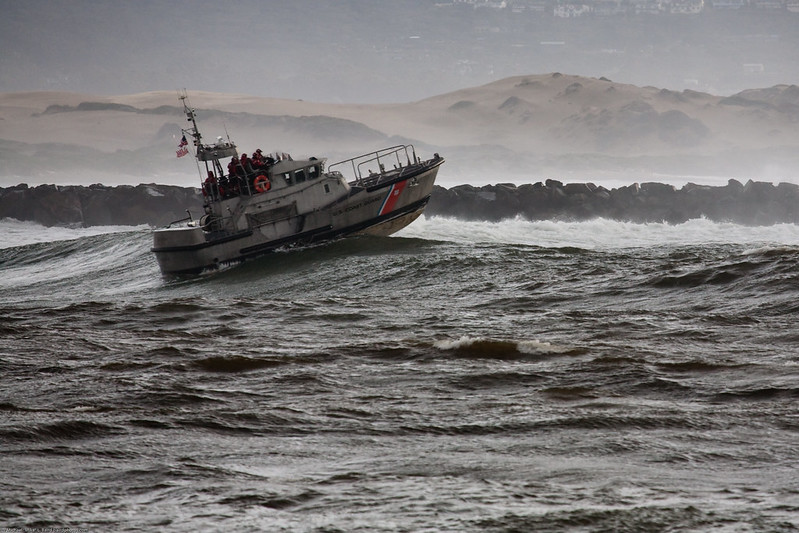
point(182, 150)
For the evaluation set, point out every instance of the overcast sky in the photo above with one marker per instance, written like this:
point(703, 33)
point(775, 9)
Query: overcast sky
point(375, 51)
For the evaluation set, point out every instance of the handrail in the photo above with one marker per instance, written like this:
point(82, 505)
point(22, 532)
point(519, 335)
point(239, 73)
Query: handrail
point(360, 161)
point(187, 219)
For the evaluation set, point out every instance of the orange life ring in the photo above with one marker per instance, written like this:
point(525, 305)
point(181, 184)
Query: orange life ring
point(262, 183)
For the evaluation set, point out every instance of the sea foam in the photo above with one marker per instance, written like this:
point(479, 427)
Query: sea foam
point(18, 233)
point(599, 233)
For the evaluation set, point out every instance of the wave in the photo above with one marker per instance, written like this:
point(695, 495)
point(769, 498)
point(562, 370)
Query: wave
point(110, 261)
point(61, 430)
point(785, 394)
point(592, 234)
point(487, 348)
point(104, 263)
point(465, 347)
point(599, 233)
point(15, 233)
point(235, 363)
point(270, 501)
point(773, 268)
point(647, 517)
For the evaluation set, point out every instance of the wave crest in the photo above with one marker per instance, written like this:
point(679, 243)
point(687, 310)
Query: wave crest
point(485, 348)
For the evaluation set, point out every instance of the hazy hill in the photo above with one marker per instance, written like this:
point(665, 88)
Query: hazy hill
point(520, 129)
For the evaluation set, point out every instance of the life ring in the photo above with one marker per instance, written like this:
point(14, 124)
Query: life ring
point(262, 183)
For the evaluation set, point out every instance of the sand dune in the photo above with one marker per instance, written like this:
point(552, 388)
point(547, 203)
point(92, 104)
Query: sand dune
point(549, 125)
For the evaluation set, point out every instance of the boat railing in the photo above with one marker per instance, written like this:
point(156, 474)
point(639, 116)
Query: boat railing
point(188, 219)
point(363, 166)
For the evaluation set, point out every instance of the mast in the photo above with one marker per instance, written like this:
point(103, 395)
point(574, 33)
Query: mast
point(205, 152)
point(190, 116)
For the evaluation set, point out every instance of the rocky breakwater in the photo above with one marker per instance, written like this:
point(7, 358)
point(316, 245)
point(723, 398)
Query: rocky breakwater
point(753, 203)
point(99, 205)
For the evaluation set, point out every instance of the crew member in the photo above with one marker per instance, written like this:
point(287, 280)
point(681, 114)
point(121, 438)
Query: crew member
point(245, 164)
point(233, 167)
point(209, 187)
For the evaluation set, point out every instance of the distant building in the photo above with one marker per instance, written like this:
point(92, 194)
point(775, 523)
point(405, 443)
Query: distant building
point(728, 4)
point(571, 10)
point(494, 4)
point(531, 6)
point(650, 7)
point(686, 7)
point(609, 8)
point(771, 5)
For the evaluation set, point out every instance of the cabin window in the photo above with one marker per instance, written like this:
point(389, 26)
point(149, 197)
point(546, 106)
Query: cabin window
point(313, 172)
point(327, 188)
point(287, 177)
point(299, 175)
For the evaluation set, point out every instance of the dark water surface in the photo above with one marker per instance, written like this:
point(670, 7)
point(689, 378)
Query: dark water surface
point(458, 377)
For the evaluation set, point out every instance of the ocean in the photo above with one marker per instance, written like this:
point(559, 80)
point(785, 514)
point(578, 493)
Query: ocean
point(458, 376)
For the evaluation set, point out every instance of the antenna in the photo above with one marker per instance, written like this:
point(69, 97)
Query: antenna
point(191, 117)
point(183, 96)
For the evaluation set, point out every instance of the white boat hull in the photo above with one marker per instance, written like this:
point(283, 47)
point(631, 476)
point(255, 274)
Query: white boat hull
point(266, 224)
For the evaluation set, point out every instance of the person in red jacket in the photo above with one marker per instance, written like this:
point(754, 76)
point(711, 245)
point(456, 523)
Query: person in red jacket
point(246, 164)
point(233, 168)
point(210, 185)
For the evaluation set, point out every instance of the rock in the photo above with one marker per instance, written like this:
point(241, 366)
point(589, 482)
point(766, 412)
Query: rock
point(756, 203)
point(98, 205)
point(753, 203)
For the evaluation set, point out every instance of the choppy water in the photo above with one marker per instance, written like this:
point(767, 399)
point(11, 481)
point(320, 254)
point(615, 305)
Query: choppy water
point(504, 377)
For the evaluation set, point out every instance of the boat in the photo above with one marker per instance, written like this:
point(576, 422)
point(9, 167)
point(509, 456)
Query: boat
point(259, 204)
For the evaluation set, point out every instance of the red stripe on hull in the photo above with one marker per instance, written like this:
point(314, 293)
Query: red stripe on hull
point(392, 197)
